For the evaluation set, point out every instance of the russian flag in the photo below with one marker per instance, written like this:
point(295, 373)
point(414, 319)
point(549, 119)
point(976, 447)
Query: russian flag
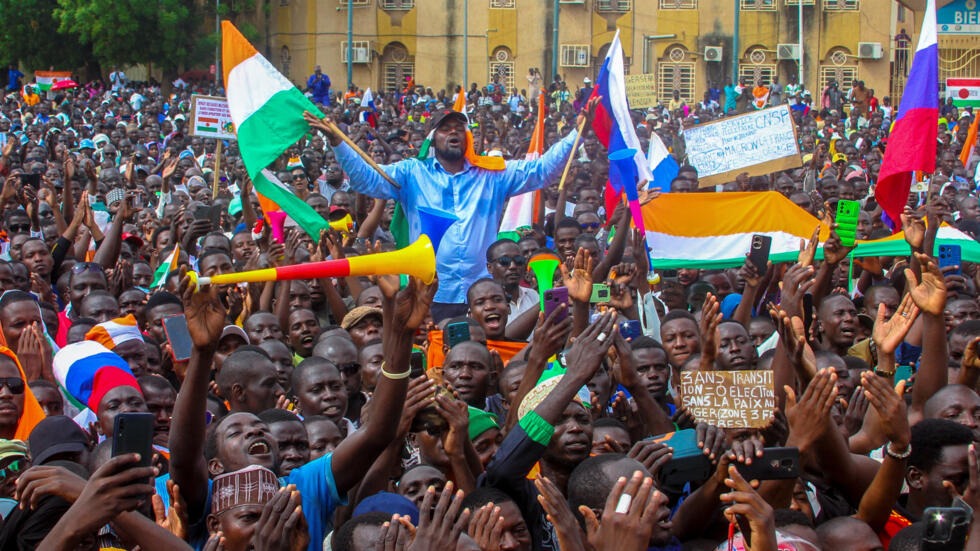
point(912, 141)
point(614, 127)
point(369, 117)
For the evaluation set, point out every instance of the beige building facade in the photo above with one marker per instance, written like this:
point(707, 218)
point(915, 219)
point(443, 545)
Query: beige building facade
point(687, 45)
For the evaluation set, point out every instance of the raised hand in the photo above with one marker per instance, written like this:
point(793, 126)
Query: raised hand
point(888, 335)
point(710, 319)
point(282, 524)
point(631, 512)
point(412, 303)
point(549, 335)
point(487, 526)
point(440, 521)
point(809, 418)
point(834, 250)
point(792, 336)
point(559, 515)
point(914, 228)
point(172, 518)
point(797, 282)
point(589, 349)
point(579, 280)
point(890, 405)
point(653, 455)
point(808, 249)
point(929, 294)
point(745, 502)
point(204, 312)
point(455, 413)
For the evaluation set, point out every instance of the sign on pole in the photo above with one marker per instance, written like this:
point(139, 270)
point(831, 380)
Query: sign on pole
point(758, 143)
point(641, 91)
point(729, 399)
point(210, 118)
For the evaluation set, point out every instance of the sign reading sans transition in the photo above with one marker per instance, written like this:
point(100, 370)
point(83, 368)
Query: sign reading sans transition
point(758, 143)
point(729, 399)
point(210, 118)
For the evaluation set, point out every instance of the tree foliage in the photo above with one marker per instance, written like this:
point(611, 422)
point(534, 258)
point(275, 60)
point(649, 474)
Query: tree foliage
point(30, 35)
point(161, 32)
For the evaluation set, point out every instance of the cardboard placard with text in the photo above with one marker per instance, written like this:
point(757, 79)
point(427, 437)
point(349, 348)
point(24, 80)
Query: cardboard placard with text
point(210, 118)
point(729, 399)
point(641, 91)
point(758, 143)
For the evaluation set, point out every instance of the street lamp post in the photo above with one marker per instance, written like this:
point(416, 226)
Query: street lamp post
point(350, 43)
point(217, 41)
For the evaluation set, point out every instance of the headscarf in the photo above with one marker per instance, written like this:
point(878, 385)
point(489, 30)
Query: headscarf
point(32, 413)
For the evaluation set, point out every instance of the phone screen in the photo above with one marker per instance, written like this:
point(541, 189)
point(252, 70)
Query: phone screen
point(179, 337)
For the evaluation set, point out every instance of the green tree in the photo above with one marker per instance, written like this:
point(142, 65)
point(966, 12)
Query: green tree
point(133, 31)
point(31, 36)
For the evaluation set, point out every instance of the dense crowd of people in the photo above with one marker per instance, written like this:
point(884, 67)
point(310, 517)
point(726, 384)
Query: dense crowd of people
point(386, 413)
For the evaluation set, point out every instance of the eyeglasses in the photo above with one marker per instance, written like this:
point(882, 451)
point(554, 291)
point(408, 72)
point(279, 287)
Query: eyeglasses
point(590, 225)
point(82, 267)
point(506, 261)
point(15, 384)
point(349, 368)
point(12, 469)
point(16, 228)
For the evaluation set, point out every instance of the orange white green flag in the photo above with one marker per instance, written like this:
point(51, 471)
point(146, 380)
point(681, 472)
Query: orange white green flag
point(268, 114)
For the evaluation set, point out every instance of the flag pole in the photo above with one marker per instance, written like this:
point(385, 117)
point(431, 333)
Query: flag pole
point(367, 158)
point(216, 181)
point(568, 163)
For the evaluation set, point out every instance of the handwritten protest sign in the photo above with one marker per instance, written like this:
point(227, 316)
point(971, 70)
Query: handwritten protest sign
point(210, 118)
point(641, 91)
point(758, 143)
point(729, 399)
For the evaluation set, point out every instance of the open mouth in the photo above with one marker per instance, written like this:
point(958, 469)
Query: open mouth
point(259, 447)
point(493, 320)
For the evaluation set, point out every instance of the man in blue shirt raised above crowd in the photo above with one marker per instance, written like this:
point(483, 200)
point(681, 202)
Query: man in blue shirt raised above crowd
point(448, 181)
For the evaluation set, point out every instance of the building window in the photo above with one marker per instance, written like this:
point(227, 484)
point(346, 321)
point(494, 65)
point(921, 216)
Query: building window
point(502, 68)
point(361, 51)
point(756, 74)
point(397, 4)
point(843, 74)
point(841, 5)
point(397, 67)
point(674, 75)
point(613, 5)
point(503, 4)
point(355, 3)
point(678, 4)
point(757, 5)
point(797, 2)
point(575, 55)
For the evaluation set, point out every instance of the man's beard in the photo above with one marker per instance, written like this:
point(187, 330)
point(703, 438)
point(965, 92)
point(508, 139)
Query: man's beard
point(450, 153)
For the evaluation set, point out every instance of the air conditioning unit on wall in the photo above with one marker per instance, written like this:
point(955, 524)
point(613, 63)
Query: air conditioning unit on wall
point(870, 50)
point(713, 53)
point(787, 52)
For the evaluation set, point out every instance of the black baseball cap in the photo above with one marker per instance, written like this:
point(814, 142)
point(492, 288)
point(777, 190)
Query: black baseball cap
point(55, 435)
point(444, 114)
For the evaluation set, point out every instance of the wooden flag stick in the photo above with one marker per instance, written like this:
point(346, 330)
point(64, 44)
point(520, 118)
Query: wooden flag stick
point(367, 158)
point(216, 181)
point(568, 163)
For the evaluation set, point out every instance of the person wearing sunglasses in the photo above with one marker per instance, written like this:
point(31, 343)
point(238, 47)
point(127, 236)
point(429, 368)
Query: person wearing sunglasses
point(507, 266)
point(13, 461)
point(12, 392)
